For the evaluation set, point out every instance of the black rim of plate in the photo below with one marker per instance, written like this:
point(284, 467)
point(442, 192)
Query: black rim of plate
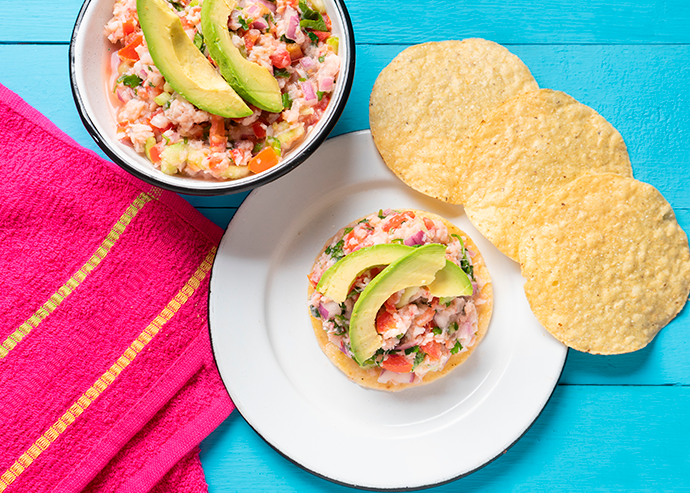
point(232, 186)
point(352, 485)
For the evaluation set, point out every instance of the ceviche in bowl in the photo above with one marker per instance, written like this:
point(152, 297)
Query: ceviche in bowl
point(211, 97)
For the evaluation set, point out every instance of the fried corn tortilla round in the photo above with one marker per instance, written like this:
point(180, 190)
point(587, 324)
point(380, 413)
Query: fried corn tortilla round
point(524, 150)
point(429, 99)
point(606, 263)
point(368, 377)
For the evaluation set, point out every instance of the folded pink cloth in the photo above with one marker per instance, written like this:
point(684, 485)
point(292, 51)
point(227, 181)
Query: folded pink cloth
point(107, 380)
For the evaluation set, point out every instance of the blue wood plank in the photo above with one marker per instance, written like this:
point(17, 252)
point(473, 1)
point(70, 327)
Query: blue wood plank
point(604, 439)
point(390, 22)
point(220, 216)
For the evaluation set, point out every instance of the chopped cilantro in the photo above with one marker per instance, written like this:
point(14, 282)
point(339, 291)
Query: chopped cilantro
point(322, 58)
point(397, 240)
point(132, 81)
point(376, 359)
point(314, 38)
point(456, 348)
point(302, 79)
point(336, 251)
point(363, 221)
point(314, 311)
point(199, 41)
point(346, 231)
point(381, 215)
point(465, 263)
point(243, 23)
point(281, 72)
point(178, 6)
point(311, 19)
point(413, 349)
point(453, 327)
point(287, 101)
point(437, 331)
point(320, 94)
point(285, 39)
point(418, 359)
point(258, 146)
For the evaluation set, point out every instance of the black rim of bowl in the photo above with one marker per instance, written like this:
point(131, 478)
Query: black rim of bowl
point(232, 186)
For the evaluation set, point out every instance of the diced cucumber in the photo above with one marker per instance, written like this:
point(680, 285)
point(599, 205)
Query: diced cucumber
point(173, 157)
point(162, 98)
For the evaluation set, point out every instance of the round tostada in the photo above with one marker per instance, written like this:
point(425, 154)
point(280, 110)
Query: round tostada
point(399, 298)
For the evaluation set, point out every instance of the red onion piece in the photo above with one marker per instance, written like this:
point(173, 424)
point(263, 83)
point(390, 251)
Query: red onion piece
point(260, 24)
point(307, 63)
point(390, 376)
point(253, 11)
point(415, 239)
point(308, 90)
point(326, 84)
point(329, 309)
point(292, 25)
point(269, 5)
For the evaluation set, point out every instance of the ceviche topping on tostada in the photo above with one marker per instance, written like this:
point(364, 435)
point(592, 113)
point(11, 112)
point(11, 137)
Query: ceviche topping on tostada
point(399, 298)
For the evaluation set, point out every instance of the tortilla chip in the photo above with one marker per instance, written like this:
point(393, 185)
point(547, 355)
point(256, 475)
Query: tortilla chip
point(606, 263)
point(428, 101)
point(369, 377)
point(525, 149)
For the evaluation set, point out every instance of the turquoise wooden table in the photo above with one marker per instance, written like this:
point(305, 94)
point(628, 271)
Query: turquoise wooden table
point(617, 423)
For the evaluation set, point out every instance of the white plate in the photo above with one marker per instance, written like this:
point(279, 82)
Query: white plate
point(292, 395)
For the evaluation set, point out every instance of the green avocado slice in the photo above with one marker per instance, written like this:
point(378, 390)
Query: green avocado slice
point(253, 82)
point(336, 281)
point(184, 67)
point(451, 281)
point(418, 268)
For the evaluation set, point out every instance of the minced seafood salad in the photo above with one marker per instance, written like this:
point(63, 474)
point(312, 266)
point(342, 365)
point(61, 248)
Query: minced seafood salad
point(291, 38)
point(422, 334)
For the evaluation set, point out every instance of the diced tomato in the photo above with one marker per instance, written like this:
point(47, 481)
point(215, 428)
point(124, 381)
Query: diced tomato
point(280, 58)
point(397, 220)
point(259, 130)
point(217, 138)
point(384, 321)
point(128, 27)
point(428, 223)
point(433, 349)
point(250, 40)
point(322, 35)
point(321, 105)
point(128, 52)
point(155, 152)
point(264, 160)
point(397, 363)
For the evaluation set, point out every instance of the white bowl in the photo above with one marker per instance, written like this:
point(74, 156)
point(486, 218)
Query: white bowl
point(89, 57)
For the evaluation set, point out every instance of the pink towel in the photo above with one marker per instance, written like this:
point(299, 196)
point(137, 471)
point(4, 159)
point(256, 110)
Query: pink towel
point(107, 380)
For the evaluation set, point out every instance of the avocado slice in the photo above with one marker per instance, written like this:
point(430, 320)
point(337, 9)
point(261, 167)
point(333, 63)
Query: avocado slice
point(253, 82)
point(184, 67)
point(417, 268)
point(451, 281)
point(336, 281)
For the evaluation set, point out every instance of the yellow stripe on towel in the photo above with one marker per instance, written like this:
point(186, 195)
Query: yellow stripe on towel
point(66, 289)
point(110, 375)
